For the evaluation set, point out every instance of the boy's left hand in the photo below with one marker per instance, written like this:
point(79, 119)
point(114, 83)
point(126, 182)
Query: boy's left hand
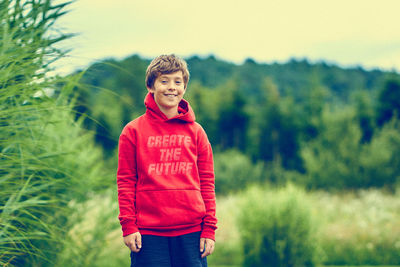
point(206, 246)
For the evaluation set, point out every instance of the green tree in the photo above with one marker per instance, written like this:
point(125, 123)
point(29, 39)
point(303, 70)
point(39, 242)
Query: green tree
point(276, 137)
point(111, 94)
point(389, 102)
point(232, 119)
point(380, 159)
point(338, 159)
point(365, 115)
point(331, 160)
point(310, 112)
point(204, 102)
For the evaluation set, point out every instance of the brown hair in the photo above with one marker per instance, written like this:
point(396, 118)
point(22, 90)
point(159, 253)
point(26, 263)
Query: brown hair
point(166, 64)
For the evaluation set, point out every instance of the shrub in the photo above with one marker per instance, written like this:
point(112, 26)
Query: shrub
point(276, 228)
point(234, 170)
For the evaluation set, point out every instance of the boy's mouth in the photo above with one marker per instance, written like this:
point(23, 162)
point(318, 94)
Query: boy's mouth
point(170, 95)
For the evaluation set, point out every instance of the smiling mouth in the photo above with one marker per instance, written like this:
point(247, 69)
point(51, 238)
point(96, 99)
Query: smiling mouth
point(170, 95)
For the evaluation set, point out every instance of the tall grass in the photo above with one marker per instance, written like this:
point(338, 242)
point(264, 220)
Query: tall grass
point(48, 165)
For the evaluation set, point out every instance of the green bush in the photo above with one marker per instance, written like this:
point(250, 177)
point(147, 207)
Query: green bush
point(276, 228)
point(234, 170)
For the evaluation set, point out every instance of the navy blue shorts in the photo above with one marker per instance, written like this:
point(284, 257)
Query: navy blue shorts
point(162, 251)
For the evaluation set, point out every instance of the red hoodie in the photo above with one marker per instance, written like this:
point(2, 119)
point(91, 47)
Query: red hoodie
point(165, 175)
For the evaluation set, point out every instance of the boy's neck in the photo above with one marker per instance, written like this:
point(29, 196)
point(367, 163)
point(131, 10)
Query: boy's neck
point(169, 113)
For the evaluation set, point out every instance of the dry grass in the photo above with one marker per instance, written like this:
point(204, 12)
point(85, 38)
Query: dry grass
point(370, 214)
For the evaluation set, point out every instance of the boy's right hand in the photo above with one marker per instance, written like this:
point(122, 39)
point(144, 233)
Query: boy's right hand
point(133, 241)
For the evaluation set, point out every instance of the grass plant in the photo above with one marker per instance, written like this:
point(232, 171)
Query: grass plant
point(48, 164)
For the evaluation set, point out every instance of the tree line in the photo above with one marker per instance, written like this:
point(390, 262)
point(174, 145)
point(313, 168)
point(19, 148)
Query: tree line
point(303, 117)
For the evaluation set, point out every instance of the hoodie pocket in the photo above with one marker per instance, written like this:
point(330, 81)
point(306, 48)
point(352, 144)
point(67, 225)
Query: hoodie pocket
point(169, 209)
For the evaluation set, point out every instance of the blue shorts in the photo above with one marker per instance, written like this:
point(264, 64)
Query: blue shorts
point(162, 251)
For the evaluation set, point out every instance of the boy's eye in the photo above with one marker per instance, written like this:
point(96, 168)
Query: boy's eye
point(178, 82)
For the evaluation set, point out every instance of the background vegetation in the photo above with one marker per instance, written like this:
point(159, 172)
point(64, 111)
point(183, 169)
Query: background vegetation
point(333, 134)
point(297, 116)
point(49, 163)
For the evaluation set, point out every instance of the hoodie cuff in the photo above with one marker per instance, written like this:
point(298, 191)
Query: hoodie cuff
point(208, 233)
point(129, 228)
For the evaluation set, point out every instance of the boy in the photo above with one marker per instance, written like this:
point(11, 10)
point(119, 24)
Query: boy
point(165, 175)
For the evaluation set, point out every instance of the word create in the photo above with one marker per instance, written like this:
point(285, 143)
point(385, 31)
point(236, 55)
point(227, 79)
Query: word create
point(172, 140)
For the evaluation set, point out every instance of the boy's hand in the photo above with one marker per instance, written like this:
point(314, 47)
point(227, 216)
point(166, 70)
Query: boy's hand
point(206, 246)
point(133, 241)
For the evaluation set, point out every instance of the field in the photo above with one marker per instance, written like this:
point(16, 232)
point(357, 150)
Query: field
point(353, 228)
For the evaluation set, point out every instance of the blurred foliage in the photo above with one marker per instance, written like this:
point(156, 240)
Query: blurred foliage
point(109, 95)
point(318, 120)
point(389, 101)
point(276, 228)
point(235, 171)
point(357, 228)
point(48, 162)
point(338, 159)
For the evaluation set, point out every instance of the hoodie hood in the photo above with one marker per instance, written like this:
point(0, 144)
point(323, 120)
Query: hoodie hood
point(185, 111)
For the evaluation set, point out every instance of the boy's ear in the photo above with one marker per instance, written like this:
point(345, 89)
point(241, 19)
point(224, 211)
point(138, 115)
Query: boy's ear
point(151, 90)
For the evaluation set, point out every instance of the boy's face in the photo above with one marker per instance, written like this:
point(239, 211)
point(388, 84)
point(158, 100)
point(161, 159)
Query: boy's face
point(168, 90)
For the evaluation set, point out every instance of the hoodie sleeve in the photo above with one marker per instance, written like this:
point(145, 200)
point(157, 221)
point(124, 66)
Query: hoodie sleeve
point(126, 182)
point(207, 185)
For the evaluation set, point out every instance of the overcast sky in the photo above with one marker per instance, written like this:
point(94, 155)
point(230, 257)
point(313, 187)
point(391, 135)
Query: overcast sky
point(344, 32)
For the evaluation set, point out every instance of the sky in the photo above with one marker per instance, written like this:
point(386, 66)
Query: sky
point(344, 32)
